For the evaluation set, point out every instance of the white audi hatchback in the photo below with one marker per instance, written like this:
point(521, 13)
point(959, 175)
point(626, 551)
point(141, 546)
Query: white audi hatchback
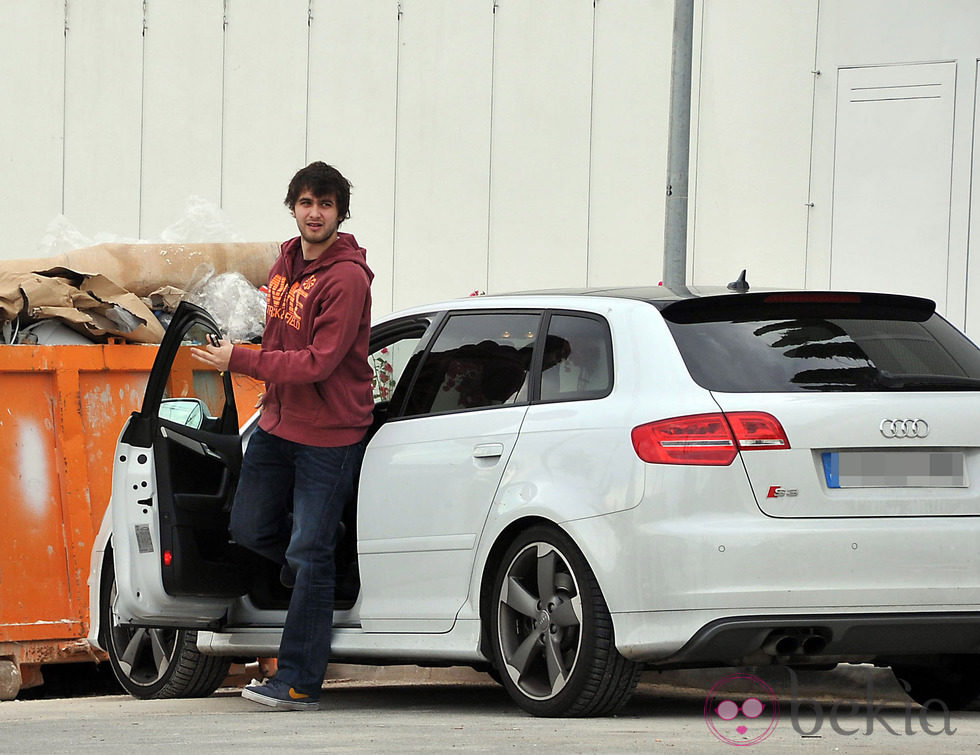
point(565, 488)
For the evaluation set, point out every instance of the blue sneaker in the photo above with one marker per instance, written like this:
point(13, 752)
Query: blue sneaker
point(279, 695)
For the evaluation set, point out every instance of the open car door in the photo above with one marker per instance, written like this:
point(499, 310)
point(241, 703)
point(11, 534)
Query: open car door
point(175, 471)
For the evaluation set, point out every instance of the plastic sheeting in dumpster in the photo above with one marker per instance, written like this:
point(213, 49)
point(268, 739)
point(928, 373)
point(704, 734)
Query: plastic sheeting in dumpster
point(236, 305)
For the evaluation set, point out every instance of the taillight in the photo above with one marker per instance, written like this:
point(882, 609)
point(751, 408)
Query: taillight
point(707, 439)
point(697, 439)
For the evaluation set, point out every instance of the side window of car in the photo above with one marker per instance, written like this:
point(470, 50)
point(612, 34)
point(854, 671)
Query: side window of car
point(390, 364)
point(477, 360)
point(577, 360)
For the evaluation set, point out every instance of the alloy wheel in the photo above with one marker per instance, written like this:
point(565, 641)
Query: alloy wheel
point(539, 620)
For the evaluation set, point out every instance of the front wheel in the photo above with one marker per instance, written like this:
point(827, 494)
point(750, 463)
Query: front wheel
point(551, 633)
point(156, 662)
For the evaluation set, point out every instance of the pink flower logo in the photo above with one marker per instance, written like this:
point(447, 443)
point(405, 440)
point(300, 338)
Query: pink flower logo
point(741, 710)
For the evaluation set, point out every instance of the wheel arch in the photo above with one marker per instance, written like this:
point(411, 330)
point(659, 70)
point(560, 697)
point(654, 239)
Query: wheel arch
point(589, 676)
point(97, 584)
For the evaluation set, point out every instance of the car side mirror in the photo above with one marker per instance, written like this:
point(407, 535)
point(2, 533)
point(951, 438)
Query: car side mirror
point(189, 412)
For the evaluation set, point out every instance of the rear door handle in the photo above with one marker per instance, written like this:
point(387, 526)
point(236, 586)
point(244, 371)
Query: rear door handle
point(488, 451)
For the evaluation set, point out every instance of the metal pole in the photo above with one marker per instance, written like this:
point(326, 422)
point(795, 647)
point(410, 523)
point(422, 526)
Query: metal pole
point(678, 146)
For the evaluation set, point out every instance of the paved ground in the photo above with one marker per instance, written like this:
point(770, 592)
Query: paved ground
point(448, 710)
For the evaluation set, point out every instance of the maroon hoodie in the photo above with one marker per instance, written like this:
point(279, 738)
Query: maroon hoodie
point(315, 346)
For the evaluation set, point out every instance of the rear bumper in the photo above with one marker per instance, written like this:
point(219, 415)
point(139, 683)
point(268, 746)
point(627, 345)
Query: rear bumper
point(697, 564)
point(796, 639)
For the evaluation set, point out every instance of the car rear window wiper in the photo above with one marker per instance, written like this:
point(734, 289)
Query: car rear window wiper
point(927, 382)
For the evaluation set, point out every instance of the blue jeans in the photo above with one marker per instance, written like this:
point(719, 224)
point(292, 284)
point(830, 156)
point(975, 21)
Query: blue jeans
point(315, 484)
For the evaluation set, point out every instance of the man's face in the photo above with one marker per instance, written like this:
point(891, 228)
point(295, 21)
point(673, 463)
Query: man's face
point(316, 217)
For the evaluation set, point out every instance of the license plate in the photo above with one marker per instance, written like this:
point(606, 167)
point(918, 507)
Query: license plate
point(894, 469)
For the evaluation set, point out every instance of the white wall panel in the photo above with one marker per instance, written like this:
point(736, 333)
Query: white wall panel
point(751, 141)
point(264, 134)
point(443, 149)
point(354, 72)
point(539, 192)
point(630, 118)
point(32, 49)
point(182, 82)
point(103, 99)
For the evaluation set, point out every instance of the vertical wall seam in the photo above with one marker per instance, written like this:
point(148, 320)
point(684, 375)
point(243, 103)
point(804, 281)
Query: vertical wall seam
point(949, 205)
point(142, 150)
point(814, 75)
point(493, 71)
point(588, 202)
point(221, 116)
point(309, 55)
point(394, 152)
point(64, 110)
point(969, 199)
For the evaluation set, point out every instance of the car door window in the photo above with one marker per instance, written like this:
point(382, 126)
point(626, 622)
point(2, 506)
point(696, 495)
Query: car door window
point(389, 364)
point(477, 361)
point(577, 361)
point(194, 394)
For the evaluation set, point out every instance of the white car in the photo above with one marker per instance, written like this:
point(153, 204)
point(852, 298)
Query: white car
point(565, 488)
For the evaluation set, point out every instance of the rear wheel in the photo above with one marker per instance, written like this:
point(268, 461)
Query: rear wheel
point(156, 662)
point(551, 633)
point(954, 682)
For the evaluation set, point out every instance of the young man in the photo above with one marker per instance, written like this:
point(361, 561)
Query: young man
point(305, 456)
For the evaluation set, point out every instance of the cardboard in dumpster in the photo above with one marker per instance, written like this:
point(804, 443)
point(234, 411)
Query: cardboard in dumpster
point(165, 299)
point(90, 303)
point(145, 267)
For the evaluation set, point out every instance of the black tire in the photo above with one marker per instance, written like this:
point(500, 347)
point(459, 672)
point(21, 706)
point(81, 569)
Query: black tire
point(155, 663)
point(550, 631)
point(952, 681)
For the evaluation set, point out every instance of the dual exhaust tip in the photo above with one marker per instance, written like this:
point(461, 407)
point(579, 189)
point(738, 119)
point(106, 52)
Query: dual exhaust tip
point(796, 642)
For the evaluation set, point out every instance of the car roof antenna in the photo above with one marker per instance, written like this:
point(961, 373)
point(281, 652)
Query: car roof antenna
point(740, 285)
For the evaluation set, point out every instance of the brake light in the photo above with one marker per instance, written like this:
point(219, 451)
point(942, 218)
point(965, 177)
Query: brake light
point(816, 297)
point(168, 558)
point(707, 439)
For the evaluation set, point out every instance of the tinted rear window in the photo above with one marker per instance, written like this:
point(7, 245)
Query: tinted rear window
point(764, 343)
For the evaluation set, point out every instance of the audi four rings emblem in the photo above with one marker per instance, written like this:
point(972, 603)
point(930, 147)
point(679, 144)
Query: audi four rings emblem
point(904, 428)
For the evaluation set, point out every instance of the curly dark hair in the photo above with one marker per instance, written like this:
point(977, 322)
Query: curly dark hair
point(321, 180)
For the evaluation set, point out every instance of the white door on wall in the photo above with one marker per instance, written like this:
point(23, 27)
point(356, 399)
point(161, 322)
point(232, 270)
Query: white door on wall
point(892, 170)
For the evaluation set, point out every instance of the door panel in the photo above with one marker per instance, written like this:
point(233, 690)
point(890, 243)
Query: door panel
point(174, 479)
point(430, 474)
point(425, 492)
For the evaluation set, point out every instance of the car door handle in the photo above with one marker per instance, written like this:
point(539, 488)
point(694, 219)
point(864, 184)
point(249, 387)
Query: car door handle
point(488, 451)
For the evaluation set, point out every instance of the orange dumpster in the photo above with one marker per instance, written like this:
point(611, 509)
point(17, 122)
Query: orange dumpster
point(61, 411)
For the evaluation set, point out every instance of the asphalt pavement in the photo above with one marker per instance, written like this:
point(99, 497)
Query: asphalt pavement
point(440, 710)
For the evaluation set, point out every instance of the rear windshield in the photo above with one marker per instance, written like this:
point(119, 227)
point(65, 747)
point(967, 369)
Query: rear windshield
point(778, 343)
